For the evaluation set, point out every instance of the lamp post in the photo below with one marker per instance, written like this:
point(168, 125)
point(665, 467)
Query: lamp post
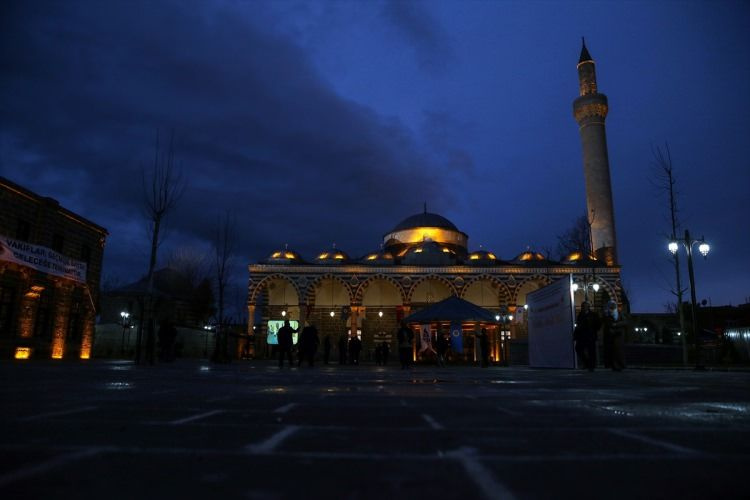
point(504, 319)
point(125, 322)
point(703, 248)
point(586, 285)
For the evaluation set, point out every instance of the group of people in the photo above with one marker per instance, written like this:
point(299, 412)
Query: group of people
point(586, 332)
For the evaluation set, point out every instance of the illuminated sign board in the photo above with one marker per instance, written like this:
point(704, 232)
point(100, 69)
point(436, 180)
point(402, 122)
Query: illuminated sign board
point(273, 328)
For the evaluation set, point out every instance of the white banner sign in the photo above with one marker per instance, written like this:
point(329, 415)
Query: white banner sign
point(551, 326)
point(42, 259)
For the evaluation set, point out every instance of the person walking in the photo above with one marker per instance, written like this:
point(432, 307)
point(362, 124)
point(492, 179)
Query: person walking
point(326, 348)
point(585, 333)
point(405, 338)
point(614, 338)
point(308, 344)
point(355, 347)
point(343, 347)
point(286, 342)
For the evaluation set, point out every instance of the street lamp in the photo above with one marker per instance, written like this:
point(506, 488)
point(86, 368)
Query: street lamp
point(504, 319)
point(586, 284)
point(703, 248)
point(125, 322)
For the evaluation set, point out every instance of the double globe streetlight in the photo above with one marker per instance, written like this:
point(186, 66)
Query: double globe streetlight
point(703, 248)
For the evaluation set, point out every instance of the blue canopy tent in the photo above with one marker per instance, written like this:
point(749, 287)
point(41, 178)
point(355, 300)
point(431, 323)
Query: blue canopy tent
point(452, 310)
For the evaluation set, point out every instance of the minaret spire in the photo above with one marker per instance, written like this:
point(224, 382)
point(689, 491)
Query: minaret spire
point(590, 111)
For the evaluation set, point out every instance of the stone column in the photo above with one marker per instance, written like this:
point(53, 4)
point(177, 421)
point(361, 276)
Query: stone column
point(61, 317)
point(250, 331)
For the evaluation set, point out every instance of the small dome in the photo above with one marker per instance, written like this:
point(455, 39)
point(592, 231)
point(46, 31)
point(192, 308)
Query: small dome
point(379, 258)
point(483, 258)
point(579, 258)
point(425, 219)
point(531, 258)
point(285, 256)
point(429, 253)
point(332, 256)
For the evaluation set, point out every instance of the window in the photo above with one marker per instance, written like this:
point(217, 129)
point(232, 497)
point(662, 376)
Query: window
point(23, 230)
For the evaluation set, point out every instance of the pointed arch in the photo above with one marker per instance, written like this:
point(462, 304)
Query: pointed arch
point(316, 283)
point(255, 288)
point(433, 277)
point(524, 287)
point(503, 292)
point(362, 288)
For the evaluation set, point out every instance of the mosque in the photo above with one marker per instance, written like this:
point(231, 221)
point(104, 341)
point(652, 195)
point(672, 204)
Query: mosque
point(425, 258)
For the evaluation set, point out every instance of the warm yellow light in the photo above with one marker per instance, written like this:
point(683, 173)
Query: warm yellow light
point(323, 255)
point(474, 256)
point(276, 255)
point(85, 354)
point(58, 346)
point(289, 255)
point(491, 256)
point(23, 353)
point(372, 257)
point(418, 250)
point(339, 256)
point(436, 234)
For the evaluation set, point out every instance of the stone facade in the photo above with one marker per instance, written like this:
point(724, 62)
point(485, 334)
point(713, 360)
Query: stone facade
point(43, 314)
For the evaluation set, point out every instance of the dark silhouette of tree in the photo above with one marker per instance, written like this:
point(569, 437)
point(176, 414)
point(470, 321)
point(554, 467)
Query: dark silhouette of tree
point(664, 181)
point(163, 187)
point(224, 246)
point(577, 238)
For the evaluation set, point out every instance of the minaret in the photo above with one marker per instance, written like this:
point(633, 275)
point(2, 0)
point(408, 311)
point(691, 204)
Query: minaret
point(590, 110)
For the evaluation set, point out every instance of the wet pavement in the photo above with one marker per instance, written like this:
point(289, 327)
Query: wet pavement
point(248, 430)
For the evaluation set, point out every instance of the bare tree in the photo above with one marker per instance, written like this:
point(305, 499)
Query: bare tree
point(577, 238)
point(163, 187)
point(189, 262)
point(664, 181)
point(224, 246)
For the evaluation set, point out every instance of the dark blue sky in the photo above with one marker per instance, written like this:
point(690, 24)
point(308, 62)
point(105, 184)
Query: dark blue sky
point(331, 121)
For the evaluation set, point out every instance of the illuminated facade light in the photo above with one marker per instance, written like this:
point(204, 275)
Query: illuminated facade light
point(673, 247)
point(332, 314)
point(283, 313)
point(575, 287)
point(372, 257)
point(289, 255)
point(595, 286)
point(276, 255)
point(323, 255)
point(491, 256)
point(22, 353)
point(380, 314)
point(339, 256)
point(418, 250)
point(704, 248)
point(474, 256)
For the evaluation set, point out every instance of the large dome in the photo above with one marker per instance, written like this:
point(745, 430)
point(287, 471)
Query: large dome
point(425, 227)
point(425, 219)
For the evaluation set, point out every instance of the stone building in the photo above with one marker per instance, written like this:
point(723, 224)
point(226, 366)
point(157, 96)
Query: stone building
point(426, 258)
point(50, 267)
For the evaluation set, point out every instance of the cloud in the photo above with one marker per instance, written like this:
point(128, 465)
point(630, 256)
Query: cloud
point(86, 86)
point(414, 21)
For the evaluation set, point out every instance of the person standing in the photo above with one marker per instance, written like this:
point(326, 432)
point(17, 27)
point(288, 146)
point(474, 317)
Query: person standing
point(384, 350)
point(585, 333)
point(286, 342)
point(327, 348)
point(343, 347)
point(484, 348)
point(405, 338)
point(355, 347)
point(442, 348)
point(614, 338)
point(308, 344)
